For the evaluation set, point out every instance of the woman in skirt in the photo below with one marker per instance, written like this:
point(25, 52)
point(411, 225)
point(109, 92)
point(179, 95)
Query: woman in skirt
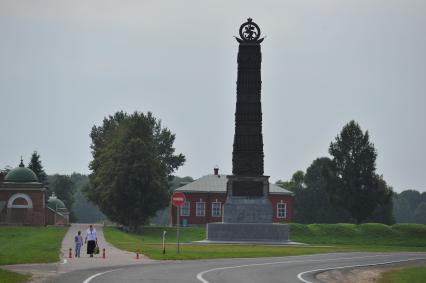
point(91, 240)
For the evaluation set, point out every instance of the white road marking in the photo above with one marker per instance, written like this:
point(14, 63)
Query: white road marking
point(98, 274)
point(200, 275)
point(300, 275)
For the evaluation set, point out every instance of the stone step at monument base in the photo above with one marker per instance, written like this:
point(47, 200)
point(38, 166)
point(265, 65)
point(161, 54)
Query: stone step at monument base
point(247, 232)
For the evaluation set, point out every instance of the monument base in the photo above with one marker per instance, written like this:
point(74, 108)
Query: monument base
point(247, 232)
point(247, 200)
point(247, 210)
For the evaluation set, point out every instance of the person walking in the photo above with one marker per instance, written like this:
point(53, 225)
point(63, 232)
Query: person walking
point(91, 239)
point(78, 239)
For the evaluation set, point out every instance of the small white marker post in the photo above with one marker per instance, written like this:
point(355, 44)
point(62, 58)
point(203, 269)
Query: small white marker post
point(164, 240)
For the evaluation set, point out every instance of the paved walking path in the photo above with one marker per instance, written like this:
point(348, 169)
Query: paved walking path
point(114, 257)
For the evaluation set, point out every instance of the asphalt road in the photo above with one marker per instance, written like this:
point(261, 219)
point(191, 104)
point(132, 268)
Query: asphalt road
point(293, 269)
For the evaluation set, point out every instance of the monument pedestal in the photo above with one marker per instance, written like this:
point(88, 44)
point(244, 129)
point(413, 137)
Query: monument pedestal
point(247, 200)
point(247, 214)
point(247, 232)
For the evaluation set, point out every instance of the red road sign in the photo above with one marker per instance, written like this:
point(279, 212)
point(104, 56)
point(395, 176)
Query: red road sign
point(178, 199)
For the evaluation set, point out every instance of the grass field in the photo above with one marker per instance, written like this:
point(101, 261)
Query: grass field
point(20, 244)
point(326, 237)
point(7, 276)
point(370, 234)
point(405, 275)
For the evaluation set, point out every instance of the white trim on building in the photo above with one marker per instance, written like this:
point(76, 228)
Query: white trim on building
point(19, 195)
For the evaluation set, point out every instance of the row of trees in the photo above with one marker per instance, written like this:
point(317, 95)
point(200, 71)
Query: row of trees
point(410, 207)
point(69, 189)
point(345, 187)
point(132, 166)
point(61, 185)
point(134, 159)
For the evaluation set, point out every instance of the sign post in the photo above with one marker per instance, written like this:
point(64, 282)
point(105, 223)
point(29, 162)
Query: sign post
point(177, 229)
point(178, 199)
point(164, 241)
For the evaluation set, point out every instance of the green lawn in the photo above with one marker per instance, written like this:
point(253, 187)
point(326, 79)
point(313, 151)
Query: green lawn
point(370, 234)
point(405, 275)
point(20, 244)
point(325, 237)
point(12, 277)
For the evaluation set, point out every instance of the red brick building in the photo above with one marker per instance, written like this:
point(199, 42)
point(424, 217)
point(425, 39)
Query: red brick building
point(23, 201)
point(205, 198)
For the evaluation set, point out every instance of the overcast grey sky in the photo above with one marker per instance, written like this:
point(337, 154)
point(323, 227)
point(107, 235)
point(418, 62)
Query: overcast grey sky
point(64, 65)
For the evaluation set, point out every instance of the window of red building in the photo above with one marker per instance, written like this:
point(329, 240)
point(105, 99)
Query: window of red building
point(200, 208)
point(185, 209)
point(281, 210)
point(216, 209)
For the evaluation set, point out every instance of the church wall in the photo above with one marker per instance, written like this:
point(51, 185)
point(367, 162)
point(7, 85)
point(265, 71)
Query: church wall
point(26, 216)
point(50, 218)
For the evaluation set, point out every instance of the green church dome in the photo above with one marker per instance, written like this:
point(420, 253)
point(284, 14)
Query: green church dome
point(21, 174)
point(54, 203)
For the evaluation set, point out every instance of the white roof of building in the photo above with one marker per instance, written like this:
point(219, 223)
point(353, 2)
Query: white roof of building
point(217, 184)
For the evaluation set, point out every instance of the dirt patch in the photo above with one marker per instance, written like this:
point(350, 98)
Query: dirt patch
point(350, 276)
point(364, 274)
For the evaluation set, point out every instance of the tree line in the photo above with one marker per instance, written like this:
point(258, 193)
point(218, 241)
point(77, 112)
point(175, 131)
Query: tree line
point(346, 187)
point(71, 189)
point(133, 161)
point(410, 207)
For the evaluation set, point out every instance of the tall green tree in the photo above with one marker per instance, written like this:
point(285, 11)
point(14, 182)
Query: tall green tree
point(64, 189)
point(406, 206)
point(420, 213)
point(311, 193)
point(413, 198)
point(177, 182)
point(133, 156)
point(320, 178)
point(296, 182)
point(384, 210)
point(359, 189)
point(35, 165)
point(84, 210)
point(402, 210)
point(3, 173)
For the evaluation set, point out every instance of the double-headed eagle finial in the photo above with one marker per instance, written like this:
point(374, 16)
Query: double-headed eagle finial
point(249, 32)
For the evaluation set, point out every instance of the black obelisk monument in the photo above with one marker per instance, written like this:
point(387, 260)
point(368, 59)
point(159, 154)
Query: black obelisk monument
point(247, 189)
point(247, 214)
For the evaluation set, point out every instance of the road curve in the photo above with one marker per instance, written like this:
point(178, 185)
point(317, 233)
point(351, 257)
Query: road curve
point(294, 269)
